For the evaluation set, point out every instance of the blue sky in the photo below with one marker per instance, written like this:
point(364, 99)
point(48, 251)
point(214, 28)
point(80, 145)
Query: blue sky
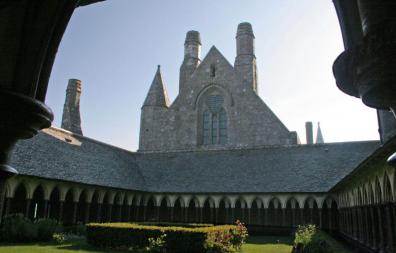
point(115, 46)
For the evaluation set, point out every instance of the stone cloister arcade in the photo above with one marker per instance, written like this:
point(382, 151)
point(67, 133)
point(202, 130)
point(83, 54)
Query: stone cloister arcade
point(75, 203)
point(367, 210)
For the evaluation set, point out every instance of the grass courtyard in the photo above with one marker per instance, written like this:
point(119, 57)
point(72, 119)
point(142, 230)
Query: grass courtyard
point(255, 244)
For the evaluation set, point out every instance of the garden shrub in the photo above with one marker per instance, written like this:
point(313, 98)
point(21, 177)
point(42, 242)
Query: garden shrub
point(58, 238)
point(174, 224)
point(77, 229)
point(17, 228)
point(309, 239)
point(46, 228)
point(157, 245)
point(198, 239)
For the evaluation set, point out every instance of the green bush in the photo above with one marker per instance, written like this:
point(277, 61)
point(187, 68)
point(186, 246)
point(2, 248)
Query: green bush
point(312, 240)
point(157, 245)
point(58, 238)
point(77, 229)
point(17, 228)
point(175, 224)
point(178, 239)
point(46, 228)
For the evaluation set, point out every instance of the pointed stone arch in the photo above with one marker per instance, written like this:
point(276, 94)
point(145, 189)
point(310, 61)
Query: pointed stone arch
point(192, 210)
point(311, 211)
point(224, 211)
point(178, 209)
point(274, 213)
point(165, 208)
point(150, 208)
point(213, 87)
point(20, 203)
point(256, 210)
point(38, 205)
point(208, 210)
point(292, 212)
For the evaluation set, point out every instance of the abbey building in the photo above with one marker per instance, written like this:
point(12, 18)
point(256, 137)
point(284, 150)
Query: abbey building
point(217, 106)
point(215, 154)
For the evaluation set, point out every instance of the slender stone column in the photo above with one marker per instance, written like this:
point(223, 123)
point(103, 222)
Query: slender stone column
point(354, 224)
point(293, 217)
point(374, 223)
point(389, 228)
point(45, 208)
point(110, 212)
point(320, 218)
point(302, 216)
point(201, 214)
point(87, 212)
point(172, 213)
point(330, 216)
point(381, 244)
point(216, 215)
point(27, 208)
point(283, 222)
point(61, 211)
point(232, 214)
point(265, 223)
point(99, 213)
point(367, 226)
point(249, 216)
point(119, 213)
point(128, 214)
point(75, 207)
point(137, 211)
point(359, 224)
point(157, 213)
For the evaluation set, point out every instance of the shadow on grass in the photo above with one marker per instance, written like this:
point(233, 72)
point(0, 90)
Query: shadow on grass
point(82, 245)
point(270, 240)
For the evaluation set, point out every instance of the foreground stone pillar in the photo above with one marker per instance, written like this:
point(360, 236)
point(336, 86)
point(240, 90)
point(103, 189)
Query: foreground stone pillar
point(45, 208)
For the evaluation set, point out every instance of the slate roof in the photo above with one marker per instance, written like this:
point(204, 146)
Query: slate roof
point(299, 168)
point(77, 159)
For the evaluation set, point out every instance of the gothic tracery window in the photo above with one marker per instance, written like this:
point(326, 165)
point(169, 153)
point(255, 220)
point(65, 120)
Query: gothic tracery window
point(214, 121)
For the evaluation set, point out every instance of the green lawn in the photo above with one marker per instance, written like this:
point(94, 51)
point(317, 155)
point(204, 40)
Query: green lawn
point(255, 244)
point(268, 244)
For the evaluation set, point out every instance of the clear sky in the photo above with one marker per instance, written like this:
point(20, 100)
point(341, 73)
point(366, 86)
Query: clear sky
point(114, 47)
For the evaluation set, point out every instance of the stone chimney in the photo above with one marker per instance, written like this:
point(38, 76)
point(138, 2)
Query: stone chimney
point(309, 132)
point(71, 119)
point(245, 61)
point(192, 54)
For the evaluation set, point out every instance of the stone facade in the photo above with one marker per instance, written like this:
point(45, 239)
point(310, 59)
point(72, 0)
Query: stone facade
point(217, 106)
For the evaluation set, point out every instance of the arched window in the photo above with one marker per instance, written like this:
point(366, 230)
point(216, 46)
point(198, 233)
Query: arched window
point(214, 121)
